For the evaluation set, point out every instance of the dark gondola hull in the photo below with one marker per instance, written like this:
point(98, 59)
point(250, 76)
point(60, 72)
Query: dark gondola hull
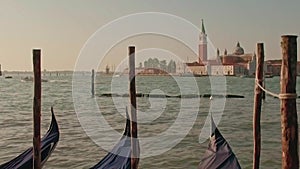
point(219, 155)
point(48, 144)
point(119, 157)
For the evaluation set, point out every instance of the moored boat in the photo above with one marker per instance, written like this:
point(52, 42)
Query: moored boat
point(48, 144)
point(219, 154)
point(120, 156)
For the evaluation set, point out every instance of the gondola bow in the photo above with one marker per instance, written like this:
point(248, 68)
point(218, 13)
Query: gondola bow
point(219, 155)
point(119, 156)
point(48, 144)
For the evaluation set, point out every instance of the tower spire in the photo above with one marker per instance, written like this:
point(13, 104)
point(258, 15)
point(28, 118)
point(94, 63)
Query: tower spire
point(202, 45)
point(203, 28)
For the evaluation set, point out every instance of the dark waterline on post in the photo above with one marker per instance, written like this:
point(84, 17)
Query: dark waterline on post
point(93, 83)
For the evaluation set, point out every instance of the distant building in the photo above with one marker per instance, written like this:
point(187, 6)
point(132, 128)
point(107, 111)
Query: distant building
point(147, 71)
point(242, 63)
point(107, 69)
point(152, 71)
point(237, 63)
point(273, 67)
point(202, 45)
point(227, 70)
point(196, 69)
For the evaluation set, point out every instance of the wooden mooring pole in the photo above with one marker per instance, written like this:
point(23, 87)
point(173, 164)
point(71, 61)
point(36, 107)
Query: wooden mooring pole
point(37, 109)
point(0, 70)
point(264, 86)
point(133, 106)
point(93, 83)
point(289, 123)
point(257, 105)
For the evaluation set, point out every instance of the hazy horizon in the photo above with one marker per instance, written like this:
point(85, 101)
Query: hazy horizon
point(61, 28)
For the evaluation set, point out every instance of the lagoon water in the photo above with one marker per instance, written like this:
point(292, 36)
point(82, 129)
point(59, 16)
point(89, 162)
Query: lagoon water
point(77, 150)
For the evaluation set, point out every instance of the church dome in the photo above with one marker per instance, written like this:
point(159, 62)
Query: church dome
point(238, 50)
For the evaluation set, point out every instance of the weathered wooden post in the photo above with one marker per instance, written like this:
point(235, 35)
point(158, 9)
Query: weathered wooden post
point(37, 109)
point(264, 86)
point(257, 105)
point(133, 121)
point(93, 83)
point(289, 123)
point(0, 70)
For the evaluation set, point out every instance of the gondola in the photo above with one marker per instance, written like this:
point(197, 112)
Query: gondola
point(48, 144)
point(219, 154)
point(119, 157)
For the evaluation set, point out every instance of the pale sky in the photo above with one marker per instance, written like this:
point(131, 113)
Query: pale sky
point(61, 28)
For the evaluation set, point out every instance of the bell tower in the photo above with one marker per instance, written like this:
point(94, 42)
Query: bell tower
point(202, 45)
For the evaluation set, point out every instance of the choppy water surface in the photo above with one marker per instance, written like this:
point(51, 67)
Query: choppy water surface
point(77, 150)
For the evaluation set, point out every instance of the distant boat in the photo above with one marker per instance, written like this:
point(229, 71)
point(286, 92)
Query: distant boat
point(219, 154)
point(269, 76)
point(27, 79)
point(30, 79)
point(8, 77)
point(116, 75)
point(48, 144)
point(119, 156)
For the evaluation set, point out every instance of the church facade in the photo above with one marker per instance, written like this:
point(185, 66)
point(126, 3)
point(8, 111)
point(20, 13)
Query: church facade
point(238, 63)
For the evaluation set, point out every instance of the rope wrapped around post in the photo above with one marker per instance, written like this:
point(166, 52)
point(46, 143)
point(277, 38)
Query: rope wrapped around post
point(279, 96)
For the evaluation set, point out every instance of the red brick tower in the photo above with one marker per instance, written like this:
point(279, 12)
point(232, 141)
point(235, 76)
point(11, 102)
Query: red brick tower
point(202, 45)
